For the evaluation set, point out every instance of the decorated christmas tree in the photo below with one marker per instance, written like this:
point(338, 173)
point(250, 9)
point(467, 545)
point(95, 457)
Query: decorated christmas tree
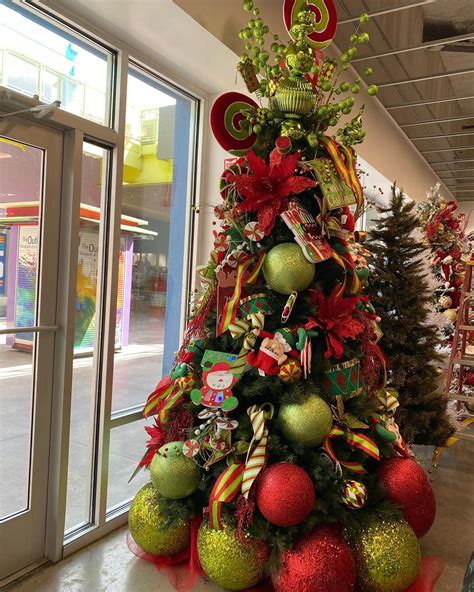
point(274, 452)
point(400, 292)
point(443, 232)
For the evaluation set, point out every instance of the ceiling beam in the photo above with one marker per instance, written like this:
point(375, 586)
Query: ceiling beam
point(418, 47)
point(446, 150)
point(439, 136)
point(429, 102)
point(432, 121)
point(457, 161)
point(352, 19)
point(425, 78)
point(454, 171)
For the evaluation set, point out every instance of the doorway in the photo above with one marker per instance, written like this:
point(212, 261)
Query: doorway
point(31, 157)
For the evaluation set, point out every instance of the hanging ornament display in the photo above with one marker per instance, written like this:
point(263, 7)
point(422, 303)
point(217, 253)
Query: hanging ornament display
point(285, 494)
point(228, 562)
point(287, 270)
point(147, 523)
point(387, 555)
point(354, 494)
point(322, 561)
point(407, 485)
point(173, 474)
point(307, 421)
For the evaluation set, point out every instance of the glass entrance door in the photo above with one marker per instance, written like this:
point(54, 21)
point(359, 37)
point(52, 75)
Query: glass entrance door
point(30, 203)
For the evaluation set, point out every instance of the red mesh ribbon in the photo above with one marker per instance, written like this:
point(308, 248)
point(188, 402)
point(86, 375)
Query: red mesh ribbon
point(430, 572)
point(183, 569)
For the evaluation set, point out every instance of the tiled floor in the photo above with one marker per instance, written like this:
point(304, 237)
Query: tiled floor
point(108, 566)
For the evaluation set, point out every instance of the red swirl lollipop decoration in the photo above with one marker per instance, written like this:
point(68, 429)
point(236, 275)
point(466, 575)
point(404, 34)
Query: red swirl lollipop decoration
point(326, 20)
point(227, 115)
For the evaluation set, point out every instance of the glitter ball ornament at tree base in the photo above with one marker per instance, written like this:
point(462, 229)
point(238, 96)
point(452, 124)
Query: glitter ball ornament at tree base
point(320, 562)
point(307, 421)
point(147, 525)
point(287, 270)
point(228, 562)
point(174, 475)
point(354, 494)
point(285, 494)
point(387, 555)
point(407, 485)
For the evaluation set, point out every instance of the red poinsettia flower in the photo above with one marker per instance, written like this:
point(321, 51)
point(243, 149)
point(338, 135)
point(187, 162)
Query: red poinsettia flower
point(156, 441)
point(335, 316)
point(267, 188)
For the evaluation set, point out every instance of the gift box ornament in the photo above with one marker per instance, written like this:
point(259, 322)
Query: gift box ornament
point(343, 379)
point(336, 193)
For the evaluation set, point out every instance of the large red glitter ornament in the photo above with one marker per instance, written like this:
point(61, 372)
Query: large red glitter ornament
point(407, 485)
point(320, 562)
point(285, 494)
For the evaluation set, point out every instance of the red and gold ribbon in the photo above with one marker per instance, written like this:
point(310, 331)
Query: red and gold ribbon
point(225, 489)
point(356, 440)
point(346, 168)
point(257, 451)
point(230, 309)
point(166, 387)
point(354, 179)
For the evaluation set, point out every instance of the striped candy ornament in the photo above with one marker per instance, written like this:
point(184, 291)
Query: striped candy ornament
point(256, 455)
point(354, 494)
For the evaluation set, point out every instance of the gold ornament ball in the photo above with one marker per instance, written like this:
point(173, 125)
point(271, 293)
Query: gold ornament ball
point(174, 475)
point(307, 421)
point(286, 269)
point(229, 563)
point(387, 554)
point(147, 525)
point(451, 314)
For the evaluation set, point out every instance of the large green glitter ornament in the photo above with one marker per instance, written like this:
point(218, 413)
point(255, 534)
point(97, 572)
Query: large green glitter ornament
point(306, 421)
point(229, 563)
point(147, 525)
point(287, 270)
point(387, 554)
point(173, 474)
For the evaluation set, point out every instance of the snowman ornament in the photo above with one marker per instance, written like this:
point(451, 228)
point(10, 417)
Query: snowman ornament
point(216, 392)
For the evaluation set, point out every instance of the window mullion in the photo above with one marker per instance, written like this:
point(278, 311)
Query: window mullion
point(108, 278)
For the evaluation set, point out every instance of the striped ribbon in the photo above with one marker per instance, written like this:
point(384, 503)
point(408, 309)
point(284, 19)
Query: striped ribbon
point(346, 170)
point(225, 489)
point(256, 454)
point(165, 397)
point(354, 179)
point(358, 441)
point(230, 309)
point(347, 263)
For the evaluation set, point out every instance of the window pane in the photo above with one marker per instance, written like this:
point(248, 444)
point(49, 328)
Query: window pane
point(21, 173)
point(83, 403)
point(154, 210)
point(70, 67)
point(127, 444)
point(16, 403)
